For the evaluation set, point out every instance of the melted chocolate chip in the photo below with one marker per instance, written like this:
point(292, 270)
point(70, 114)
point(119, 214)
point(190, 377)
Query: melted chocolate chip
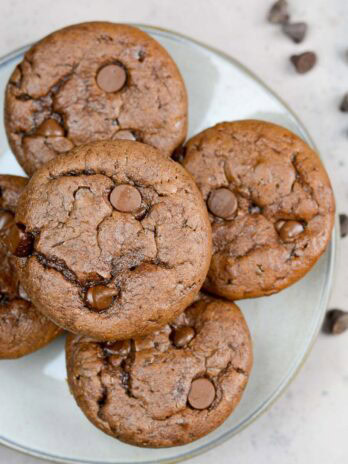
point(201, 394)
point(223, 203)
point(125, 198)
point(121, 347)
point(111, 78)
point(50, 128)
point(290, 230)
point(18, 242)
point(100, 297)
point(182, 336)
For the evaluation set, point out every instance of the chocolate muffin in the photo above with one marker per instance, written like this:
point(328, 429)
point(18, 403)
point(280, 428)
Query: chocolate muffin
point(22, 328)
point(93, 81)
point(171, 387)
point(113, 240)
point(271, 206)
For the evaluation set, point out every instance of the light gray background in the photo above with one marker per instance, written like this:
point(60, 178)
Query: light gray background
point(310, 422)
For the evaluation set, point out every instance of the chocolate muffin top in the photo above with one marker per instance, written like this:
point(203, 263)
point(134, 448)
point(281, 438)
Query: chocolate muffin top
point(171, 387)
point(22, 328)
point(270, 202)
point(93, 81)
point(113, 240)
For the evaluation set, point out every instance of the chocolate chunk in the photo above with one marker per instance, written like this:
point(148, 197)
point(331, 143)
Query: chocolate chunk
point(100, 297)
point(6, 219)
point(19, 242)
point(121, 348)
point(125, 134)
point(304, 62)
point(183, 336)
point(278, 14)
point(125, 198)
point(343, 225)
point(179, 154)
point(201, 394)
point(296, 31)
point(223, 203)
point(50, 128)
point(290, 230)
point(344, 104)
point(336, 321)
point(111, 78)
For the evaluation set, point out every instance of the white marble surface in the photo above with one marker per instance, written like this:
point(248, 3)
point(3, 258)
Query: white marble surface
point(310, 422)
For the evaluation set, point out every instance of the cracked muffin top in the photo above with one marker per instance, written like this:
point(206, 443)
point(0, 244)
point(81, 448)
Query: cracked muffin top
point(22, 328)
point(93, 81)
point(112, 240)
point(171, 387)
point(270, 204)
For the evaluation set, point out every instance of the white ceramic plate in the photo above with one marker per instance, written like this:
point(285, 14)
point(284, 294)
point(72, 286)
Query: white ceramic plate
point(37, 413)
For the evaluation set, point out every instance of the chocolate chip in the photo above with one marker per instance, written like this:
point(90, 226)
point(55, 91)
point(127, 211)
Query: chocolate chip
point(121, 347)
point(254, 209)
point(111, 78)
point(18, 242)
point(6, 219)
point(223, 203)
point(296, 31)
point(344, 104)
point(183, 336)
point(343, 225)
point(279, 224)
point(336, 321)
point(201, 394)
point(290, 230)
point(179, 154)
point(140, 213)
point(60, 144)
point(278, 14)
point(125, 134)
point(304, 62)
point(125, 198)
point(50, 128)
point(100, 297)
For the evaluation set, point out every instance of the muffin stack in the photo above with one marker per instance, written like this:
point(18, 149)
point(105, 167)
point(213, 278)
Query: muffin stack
point(138, 244)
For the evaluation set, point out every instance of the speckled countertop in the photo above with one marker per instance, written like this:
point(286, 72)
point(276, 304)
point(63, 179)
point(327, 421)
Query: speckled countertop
point(310, 422)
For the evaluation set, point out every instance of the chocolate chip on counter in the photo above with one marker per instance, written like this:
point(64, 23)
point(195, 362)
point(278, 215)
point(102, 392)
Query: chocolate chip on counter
point(125, 198)
point(124, 134)
point(290, 230)
point(121, 347)
point(50, 128)
point(201, 394)
point(296, 31)
point(100, 297)
point(336, 322)
point(111, 78)
point(6, 219)
point(343, 225)
point(344, 104)
point(304, 62)
point(18, 242)
point(223, 203)
point(278, 14)
point(182, 336)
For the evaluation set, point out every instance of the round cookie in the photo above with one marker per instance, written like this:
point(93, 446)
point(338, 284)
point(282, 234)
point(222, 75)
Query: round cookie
point(171, 387)
point(22, 328)
point(115, 239)
point(93, 81)
point(271, 206)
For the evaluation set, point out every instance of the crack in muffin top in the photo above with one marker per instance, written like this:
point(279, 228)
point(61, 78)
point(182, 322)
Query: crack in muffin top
point(170, 387)
point(270, 204)
point(93, 81)
point(121, 239)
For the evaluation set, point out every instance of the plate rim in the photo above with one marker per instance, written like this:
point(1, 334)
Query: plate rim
point(326, 292)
